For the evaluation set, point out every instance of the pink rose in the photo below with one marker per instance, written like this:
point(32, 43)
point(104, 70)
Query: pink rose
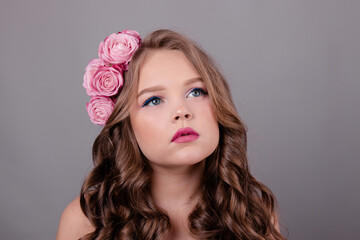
point(119, 48)
point(132, 33)
point(99, 109)
point(90, 71)
point(102, 80)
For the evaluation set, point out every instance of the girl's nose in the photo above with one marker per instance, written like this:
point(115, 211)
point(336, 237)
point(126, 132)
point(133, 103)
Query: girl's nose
point(182, 113)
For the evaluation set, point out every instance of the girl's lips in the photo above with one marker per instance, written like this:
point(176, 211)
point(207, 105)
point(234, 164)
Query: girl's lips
point(185, 135)
point(186, 138)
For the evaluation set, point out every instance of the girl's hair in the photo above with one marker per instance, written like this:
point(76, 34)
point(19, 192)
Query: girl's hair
point(116, 197)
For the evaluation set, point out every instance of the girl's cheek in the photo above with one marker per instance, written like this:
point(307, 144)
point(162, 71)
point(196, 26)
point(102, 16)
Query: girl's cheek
point(153, 115)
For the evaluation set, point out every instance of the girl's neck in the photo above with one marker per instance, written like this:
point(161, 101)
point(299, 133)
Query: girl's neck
point(176, 191)
point(176, 188)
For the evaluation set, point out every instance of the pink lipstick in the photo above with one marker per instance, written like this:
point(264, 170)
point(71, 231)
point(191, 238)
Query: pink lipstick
point(184, 135)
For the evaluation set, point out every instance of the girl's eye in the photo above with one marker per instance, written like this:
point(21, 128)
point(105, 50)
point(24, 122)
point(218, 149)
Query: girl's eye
point(197, 92)
point(153, 101)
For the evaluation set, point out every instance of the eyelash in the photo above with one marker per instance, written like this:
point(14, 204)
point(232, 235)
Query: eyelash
point(150, 99)
point(202, 92)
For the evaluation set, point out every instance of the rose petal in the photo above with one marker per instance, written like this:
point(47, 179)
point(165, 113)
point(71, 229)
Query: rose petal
point(99, 109)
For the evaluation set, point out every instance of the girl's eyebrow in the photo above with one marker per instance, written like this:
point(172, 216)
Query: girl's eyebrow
point(161, 88)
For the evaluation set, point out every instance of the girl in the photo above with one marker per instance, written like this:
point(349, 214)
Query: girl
point(171, 161)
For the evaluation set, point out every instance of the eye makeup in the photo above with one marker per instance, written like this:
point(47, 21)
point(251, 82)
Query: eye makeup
point(200, 92)
point(156, 100)
point(152, 100)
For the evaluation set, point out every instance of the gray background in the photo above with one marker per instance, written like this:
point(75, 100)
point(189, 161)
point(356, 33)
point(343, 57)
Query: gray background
point(294, 70)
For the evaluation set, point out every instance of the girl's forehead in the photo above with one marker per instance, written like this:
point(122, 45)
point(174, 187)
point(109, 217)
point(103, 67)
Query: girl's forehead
point(162, 67)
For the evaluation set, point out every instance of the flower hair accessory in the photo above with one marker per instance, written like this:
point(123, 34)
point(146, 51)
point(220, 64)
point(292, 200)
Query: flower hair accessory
point(103, 76)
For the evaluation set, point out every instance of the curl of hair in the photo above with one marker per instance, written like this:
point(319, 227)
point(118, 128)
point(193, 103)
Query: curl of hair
point(115, 195)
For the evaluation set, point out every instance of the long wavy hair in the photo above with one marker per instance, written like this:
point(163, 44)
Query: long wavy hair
point(116, 197)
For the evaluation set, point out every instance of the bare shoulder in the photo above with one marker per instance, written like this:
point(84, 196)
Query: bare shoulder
point(73, 223)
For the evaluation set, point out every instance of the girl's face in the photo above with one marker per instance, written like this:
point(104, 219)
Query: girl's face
point(171, 116)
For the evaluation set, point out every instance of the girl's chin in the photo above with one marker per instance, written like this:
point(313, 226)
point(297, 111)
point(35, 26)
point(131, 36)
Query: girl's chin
point(181, 164)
